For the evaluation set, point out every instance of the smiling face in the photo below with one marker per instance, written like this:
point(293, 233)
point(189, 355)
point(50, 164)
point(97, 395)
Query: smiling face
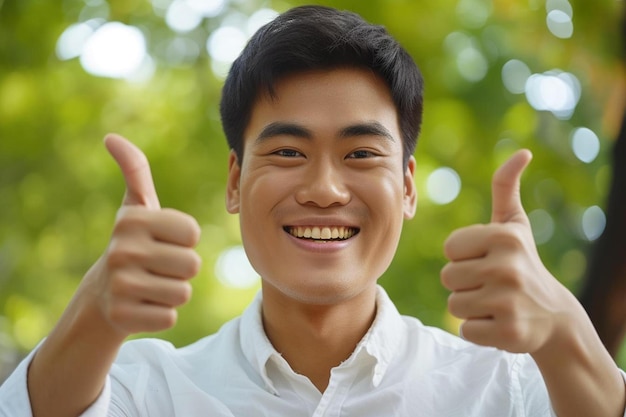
point(322, 192)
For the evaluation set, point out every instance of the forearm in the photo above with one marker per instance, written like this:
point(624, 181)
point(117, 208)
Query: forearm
point(69, 370)
point(581, 377)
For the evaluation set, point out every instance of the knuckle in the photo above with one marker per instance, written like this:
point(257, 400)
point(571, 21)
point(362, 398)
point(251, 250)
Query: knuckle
point(195, 230)
point(506, 236)
point(119, 313)
point(122, 286)
point(445, 275)
point(504, 307)
point(506, 271)
point(493, 270)
point(122, 252)
point(190, 264)
point(515, 280)
point(194, 264)
point(454, 305)
point(168, 318)
point(513, 332)
point(192, 229)
point(130, 218)
point(116, 285)
point(187, 225)
point(452, 242)
point(116, 256)
point(125, 250)
point(183, 294)
point(513, 335)
point(447, 246)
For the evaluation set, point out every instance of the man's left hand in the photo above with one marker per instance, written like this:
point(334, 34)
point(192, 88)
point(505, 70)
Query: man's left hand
point(500, 287)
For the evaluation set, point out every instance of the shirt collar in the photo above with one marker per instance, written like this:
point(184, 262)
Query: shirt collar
point(384, 337)
point(255, 345)
point(381, 341)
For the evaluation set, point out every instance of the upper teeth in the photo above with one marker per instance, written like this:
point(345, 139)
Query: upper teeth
point(323, 233)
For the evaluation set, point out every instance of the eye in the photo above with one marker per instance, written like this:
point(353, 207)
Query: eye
point(361, 154)
point(288, 153)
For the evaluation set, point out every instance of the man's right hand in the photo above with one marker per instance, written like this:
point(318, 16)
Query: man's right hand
point(134, 287)
point(144, 272)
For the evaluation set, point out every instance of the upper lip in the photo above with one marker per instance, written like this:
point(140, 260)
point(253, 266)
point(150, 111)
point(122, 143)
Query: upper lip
point(322, 221)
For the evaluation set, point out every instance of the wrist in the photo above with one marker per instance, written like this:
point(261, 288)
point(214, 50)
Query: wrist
point(572, 336)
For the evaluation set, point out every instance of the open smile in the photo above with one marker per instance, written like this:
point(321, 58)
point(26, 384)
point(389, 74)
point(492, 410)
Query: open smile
point(322, 233)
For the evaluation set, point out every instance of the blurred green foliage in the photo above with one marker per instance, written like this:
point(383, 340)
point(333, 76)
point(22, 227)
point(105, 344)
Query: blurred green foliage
point(59, 190)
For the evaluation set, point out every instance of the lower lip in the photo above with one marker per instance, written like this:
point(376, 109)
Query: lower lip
point(321, 247)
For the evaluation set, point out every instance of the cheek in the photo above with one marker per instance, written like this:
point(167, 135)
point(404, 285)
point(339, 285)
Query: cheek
point(260, 192)
point(383, 194)
point(261, 197)
point(255, 227)
point(384, 198)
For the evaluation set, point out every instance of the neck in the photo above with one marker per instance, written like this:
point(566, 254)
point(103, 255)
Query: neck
point(315, 338)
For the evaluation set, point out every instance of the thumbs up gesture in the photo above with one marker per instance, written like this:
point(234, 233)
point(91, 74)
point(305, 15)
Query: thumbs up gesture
point(143, 275)
point(500, 287)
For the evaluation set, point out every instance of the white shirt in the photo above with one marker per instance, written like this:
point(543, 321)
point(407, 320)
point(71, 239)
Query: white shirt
point(400, 368)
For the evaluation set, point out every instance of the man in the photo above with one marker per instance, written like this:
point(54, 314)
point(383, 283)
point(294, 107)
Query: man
point(321, 112)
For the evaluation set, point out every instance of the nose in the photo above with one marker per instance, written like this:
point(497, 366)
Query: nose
point(323, 185)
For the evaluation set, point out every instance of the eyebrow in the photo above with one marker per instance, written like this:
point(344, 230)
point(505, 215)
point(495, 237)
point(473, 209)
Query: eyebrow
point(292, 129)
point(283, 128)
point(367, 129)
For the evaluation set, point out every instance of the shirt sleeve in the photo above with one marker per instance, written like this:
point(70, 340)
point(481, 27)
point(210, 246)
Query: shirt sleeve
point(534, 398)
point(535, 395)
point(15, 400)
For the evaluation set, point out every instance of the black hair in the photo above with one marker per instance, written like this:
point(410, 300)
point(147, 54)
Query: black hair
point(317, 37)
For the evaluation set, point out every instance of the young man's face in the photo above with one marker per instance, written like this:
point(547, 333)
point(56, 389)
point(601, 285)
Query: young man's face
point(321, 191)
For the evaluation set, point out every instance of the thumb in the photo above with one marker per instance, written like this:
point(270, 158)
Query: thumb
point(507, 204)
point(136, 170)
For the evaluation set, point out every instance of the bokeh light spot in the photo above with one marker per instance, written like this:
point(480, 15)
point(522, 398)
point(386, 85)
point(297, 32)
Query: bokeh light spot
point(226, 43)
point(560, 24)
point(515, 73)
point(224, 46)
point(554, 91)
point(72, 41)
point(456, 42)
point(593, 222)
point(585, 144)
point(472, 64)
point(114, 50)
point(160, 7)
point(207, 8)
point(94, 9)
point(233, 269)
point(181, 17)
point(260, 18)
point(443, 185)
point(474, 13)
point(560, 5)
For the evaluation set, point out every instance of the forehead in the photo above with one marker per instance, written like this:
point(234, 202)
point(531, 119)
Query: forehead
point(325, 101)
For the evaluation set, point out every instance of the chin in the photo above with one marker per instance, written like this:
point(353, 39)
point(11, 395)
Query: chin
point(319, 292)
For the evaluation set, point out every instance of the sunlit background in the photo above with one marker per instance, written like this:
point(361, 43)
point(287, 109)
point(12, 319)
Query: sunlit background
point(500, 75)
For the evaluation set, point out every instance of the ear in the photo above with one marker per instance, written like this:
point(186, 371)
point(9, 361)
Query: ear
point(410, 192)
point(232, 184)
